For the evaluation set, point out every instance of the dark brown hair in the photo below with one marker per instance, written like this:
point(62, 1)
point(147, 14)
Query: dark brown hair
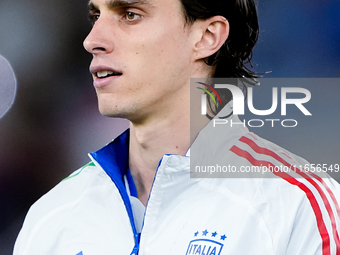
point(233, 60)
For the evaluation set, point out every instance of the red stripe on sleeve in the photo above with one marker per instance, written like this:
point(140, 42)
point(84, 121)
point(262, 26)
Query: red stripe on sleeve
point(320, 223)
point(265, 151)
point(268, 152)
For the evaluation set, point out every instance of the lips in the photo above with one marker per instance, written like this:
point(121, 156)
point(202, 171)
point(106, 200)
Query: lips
point(103, 71)
point(104, 75)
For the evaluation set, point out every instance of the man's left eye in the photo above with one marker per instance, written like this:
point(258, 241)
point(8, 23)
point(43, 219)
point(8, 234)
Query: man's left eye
point(131, 16)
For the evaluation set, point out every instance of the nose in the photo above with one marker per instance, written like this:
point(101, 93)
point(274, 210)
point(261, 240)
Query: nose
point(98, 40)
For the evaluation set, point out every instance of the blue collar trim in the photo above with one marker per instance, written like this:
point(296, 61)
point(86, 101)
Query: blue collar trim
point(114, 159)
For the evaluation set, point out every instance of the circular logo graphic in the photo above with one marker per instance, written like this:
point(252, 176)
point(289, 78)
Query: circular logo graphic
point(8, 86)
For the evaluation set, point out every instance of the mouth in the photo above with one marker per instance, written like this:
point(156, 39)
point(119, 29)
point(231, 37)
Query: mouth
point(105, 74)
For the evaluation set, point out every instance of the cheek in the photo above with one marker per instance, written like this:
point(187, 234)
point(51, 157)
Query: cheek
point(164, 44)
point(164, 57)
point(157, 58)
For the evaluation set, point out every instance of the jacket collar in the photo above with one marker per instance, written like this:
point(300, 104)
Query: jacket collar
point(114, 160)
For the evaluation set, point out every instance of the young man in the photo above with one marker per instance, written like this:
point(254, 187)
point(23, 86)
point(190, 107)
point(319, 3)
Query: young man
point(136, 195)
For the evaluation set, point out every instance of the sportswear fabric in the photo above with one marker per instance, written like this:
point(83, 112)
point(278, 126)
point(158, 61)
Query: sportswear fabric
point(95, 211)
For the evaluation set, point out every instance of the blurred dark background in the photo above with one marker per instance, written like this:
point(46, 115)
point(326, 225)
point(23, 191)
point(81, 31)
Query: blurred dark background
point(54, 121)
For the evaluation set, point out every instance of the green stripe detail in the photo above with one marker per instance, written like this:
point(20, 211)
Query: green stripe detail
point(71, 176)
point(206, 91)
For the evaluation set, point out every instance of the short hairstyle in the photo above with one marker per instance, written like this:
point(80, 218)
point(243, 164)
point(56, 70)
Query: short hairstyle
point(233, 59)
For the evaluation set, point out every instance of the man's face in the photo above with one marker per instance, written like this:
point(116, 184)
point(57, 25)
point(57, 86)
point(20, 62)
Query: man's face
point(142, 56)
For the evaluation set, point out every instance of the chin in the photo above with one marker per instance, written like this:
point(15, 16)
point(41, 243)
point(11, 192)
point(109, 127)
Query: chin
point(108, 113)
point(112, 112)
point(120, 110)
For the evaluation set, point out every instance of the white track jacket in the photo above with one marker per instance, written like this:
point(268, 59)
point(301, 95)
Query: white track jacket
point(95, 210)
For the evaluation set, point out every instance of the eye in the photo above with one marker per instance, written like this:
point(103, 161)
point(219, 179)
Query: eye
point(93, 17)
point(131, 16)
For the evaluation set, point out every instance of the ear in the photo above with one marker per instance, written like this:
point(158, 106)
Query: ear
point(214, 33)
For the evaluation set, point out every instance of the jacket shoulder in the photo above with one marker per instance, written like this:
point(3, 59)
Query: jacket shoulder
point(294, 191)
point(69, 190)
point(64, 207)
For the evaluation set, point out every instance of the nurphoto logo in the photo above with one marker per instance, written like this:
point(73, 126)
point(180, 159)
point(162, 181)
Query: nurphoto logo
point(239, 99)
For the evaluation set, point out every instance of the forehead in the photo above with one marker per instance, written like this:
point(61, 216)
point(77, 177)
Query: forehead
point(159, 9)
point(117, 3)
point(111, 4)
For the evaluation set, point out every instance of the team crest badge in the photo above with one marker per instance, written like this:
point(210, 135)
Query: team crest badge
point(206, 243)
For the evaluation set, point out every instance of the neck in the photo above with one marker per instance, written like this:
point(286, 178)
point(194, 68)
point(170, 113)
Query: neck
point(149, 143)
point(170, 132)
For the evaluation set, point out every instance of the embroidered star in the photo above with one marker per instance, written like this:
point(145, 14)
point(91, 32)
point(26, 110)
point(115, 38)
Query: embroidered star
point(205, 232)
point(214, 234)
point(196, 233)
point(223, 237)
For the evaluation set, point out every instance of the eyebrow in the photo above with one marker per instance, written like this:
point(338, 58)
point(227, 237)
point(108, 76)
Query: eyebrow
point(112, 4)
